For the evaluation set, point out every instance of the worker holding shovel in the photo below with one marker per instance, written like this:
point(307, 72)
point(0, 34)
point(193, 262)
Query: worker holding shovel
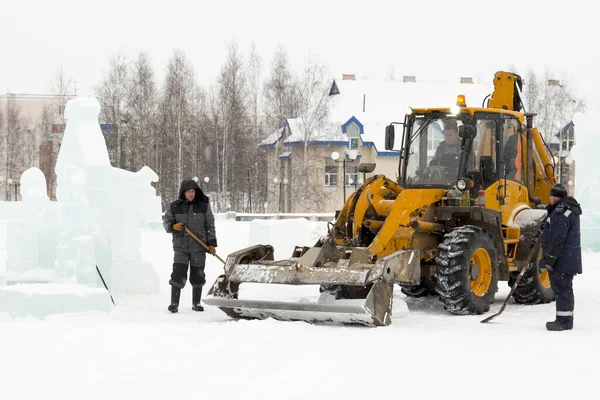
point(192, 223)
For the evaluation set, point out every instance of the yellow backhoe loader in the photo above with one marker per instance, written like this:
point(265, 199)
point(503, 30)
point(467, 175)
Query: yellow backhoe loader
point(453, 224)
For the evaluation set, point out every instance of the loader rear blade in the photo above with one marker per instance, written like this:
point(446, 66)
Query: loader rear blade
point(356, 290)
point(375, 310)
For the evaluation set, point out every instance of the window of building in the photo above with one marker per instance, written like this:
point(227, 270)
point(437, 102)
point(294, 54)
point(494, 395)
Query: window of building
point(352, 175)
point(58, 128)
point(108, 128)
point(568, 140)
point(330, 175)
point(353, 133)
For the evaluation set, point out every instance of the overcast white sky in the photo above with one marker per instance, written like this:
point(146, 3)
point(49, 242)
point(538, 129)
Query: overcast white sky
point(433, 40)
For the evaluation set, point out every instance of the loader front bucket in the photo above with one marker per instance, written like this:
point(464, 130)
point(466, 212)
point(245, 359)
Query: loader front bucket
point(316, 266)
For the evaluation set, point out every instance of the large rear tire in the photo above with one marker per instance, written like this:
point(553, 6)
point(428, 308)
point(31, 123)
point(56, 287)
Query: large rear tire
point(467, 271)
point(534, 287)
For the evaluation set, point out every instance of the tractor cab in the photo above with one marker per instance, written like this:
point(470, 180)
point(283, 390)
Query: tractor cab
point(477, 145)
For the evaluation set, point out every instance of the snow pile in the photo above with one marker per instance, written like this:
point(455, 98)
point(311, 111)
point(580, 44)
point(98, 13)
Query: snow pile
point(41, 300)
point(285, 235)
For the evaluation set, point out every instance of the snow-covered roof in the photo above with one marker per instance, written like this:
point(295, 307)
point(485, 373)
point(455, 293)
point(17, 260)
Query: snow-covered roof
point(373, 105)
point(565, 128)
point(296, 126)
point(329, 133)
point(271, 139)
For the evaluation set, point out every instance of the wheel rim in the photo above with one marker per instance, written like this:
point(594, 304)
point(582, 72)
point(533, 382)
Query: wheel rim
point(481, 272)
point(545, 279)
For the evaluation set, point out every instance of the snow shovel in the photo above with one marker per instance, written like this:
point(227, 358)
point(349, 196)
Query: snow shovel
point(202, 243)
point(534, 251)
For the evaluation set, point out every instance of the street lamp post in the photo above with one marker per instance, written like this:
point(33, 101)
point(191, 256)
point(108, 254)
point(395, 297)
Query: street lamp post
point(10, 183)
point(335, 157)
point(284, 182)
point(206, 179)
point(249, 194)
point(569, 161)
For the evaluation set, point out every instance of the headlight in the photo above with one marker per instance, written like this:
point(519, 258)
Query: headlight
point(461, 184)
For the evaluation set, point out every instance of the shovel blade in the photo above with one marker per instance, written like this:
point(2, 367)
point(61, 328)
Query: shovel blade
point(375, 310)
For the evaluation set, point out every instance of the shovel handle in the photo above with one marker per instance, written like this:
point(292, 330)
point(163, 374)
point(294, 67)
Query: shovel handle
point(202, 243)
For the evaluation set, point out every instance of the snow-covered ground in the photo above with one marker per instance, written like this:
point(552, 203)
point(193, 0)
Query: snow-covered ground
point(141, 351)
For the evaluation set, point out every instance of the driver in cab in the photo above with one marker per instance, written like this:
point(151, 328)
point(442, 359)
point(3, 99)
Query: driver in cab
point(448, 150)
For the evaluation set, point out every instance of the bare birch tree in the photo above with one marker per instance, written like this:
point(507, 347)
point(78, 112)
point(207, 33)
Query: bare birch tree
point(15, 130)
point(61, 85)
point(236, 140)
point(531, 91)
point(177, 117)
point(49, 138)
point(258, 176)
point(212, 153)
point(29, 152)
point(279, 91)
point(553, 100)
point(112, 95)
point(142, 109)
point(198, 109)
point(312, 98)
point(51, 124)
point(1, 130)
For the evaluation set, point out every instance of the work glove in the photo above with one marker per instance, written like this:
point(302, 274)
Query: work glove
point(178, 227)
point(212, 250)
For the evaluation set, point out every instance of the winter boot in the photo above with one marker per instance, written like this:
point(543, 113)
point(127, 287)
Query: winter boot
point(555, 326)
point(175, 292)
point(196, 295)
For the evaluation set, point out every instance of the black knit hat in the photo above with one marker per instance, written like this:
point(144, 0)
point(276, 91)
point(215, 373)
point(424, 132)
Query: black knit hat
point(558, 190)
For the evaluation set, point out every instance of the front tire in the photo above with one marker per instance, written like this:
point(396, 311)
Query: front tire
point(467, 271)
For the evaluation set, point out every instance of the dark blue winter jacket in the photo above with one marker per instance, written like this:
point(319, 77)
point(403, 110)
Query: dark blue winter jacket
point(561, 240)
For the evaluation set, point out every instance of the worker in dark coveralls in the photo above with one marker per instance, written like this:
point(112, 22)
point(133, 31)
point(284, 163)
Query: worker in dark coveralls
point(191, 210)
point(561, 247)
